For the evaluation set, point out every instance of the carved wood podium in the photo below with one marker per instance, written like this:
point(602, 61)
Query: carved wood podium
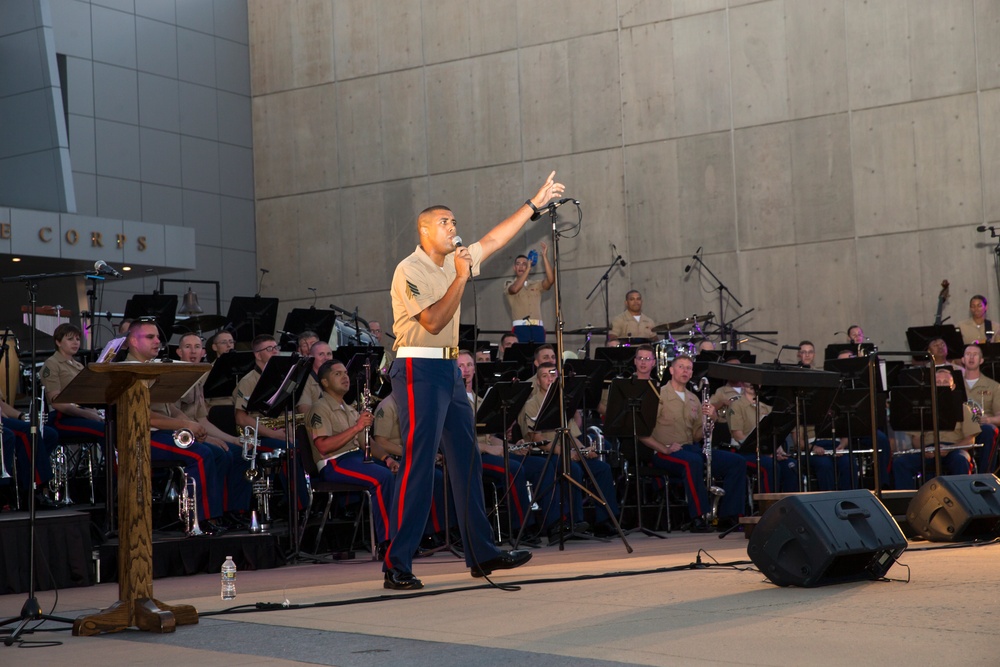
point(132, 387)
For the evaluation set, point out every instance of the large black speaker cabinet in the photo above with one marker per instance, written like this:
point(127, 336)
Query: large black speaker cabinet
point(815, 539)
point(956, 507)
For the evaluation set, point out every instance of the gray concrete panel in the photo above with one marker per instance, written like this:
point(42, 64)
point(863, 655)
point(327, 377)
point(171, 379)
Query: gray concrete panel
point(80, 86)
point(118, 198)
point(765, 197)
point(116, 90)
point(21, 15)
point(817, 67)
point(878, 58)
point(236, 179)
point(159, 102)
point(365, 264)
point(28, 123)
point(696, 292)
point(232, 66)
point(240, 269)
point(71, 25)
point(200, 164)
point(117, 149)
point(989, 133)
point(162, 204)
point(113, 37)
point(767, 283)
point(821, 178)
point(359, 121)
point(156, 47)
point(400, 34)
point(198, 110)
point(707, 203)
point(355, 38)
point(701, 71)
point(474, 103)
point(558, 20)
point(97, 238)
point(544, 89)
point(887, 307)
point(161, 10)
point(293, 45)
point(280, 251)
point(402, 200)
point(231, 20)
point(639, 12)
point(937, 255)
point(197, 15)
point(29, 228)
point(883, 172)
point(302, 154)
point(22, 65)
point(759, 63)
point(121, 5)
point(178, 249)
point(155, 251)
point(652, 203)
point(202, 211)
point(235, 119)
point(404, 126)
point(649, 100)
point(942, 36)
point(987, 22)
point(208, 259)
point(828, 293)
point(194, 50)
point(237, 223)
point(85, 187)
point(455, 29)
point(159, 157)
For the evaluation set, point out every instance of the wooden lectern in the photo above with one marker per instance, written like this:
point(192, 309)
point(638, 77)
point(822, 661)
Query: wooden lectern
point(132, 387)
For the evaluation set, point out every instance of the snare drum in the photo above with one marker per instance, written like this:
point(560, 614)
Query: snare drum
point(10, 366)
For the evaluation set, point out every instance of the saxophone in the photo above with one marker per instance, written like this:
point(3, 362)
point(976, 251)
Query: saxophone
point(716, 492)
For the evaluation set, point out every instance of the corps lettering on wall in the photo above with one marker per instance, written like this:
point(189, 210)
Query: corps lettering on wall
point(72, 237)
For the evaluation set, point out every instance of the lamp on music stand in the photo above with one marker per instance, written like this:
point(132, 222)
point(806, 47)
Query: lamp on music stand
point(631, 412)
point(498, 411)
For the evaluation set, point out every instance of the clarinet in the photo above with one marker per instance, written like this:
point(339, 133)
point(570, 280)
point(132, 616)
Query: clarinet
point(706, 427)
point(364, 405)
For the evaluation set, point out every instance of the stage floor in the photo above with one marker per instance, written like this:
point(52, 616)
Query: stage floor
point(645, 614)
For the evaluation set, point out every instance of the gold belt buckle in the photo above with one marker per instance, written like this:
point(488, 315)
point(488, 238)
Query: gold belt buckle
point(451, 353)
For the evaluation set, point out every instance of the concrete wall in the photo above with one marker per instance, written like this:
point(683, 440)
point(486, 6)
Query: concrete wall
point(832, 157)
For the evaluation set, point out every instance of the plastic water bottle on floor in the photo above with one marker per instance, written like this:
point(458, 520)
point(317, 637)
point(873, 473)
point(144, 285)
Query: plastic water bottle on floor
point(229, 579)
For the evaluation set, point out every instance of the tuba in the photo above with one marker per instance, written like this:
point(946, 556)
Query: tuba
point(716, 492)
point(187, 507)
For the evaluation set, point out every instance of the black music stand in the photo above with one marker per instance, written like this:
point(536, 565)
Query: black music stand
point(631, 412)
point(497, 413)
point(306, 319)
point(278, 391)
point(917, 338)
point(160, 307)
point(812, 408)
point(772, 430)
point(856, 349)
point(490, 373)
point(594, 372)
point(852, 413)
point(911, 408)
point(356, 369)
point(853, 371)
point(744, 356)
point(251, 316)
point(226, 373)
point(620, 358)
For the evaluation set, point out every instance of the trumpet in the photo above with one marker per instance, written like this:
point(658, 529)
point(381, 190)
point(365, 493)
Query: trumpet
point(183, 438)
point(187, 507)
point(249, 441)
point(365, 405)
point(706, 428)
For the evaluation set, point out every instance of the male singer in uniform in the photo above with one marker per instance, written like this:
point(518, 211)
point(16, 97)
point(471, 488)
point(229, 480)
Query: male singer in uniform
point(427, 289)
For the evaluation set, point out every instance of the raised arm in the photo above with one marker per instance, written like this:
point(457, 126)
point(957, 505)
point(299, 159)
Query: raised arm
point(501, 235)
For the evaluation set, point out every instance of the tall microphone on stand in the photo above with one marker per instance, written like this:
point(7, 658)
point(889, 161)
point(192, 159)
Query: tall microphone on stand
point(697, 253)
point(618, 257)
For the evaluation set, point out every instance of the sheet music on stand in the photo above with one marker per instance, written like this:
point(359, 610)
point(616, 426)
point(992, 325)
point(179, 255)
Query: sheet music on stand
point(283, 377)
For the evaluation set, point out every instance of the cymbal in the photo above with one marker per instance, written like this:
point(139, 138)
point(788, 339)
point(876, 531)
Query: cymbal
point(589, 329)
point(686, 323)
point(200, 323)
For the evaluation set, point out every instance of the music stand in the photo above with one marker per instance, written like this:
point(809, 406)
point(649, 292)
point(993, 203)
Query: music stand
point(744, 356)
point(252, 315)
point(620, 358)
point(812, 407)
point(356, 368)
point(594, 372)
point(306, 319)
point(852, 413)
point(490, 373)
point(917, 338)
point(226, 373)
point(160, 307)
point(909, 408)
point(773, 428)
point(497, 412)
point(631, 412)
point(856, 349)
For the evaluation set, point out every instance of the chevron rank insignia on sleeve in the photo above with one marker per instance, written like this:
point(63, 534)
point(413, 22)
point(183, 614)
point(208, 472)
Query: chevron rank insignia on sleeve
point(316, 421)
point(411, 290)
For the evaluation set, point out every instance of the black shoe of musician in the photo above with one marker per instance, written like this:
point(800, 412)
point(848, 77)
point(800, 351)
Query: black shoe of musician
point(400, 580)
point(726, 523)
point(507, 560)
point(43, 502)
point(699, 526)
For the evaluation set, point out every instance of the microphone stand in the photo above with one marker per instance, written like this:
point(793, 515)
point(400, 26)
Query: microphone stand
point(31, 610)
point(602, 282)
point(563, 437)
point(722, 290)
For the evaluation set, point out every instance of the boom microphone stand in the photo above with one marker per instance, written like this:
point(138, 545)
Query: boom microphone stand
point(31, 610)
point(602, 283)
point(566, 478)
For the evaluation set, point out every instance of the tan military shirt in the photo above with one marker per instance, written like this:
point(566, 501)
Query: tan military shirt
point(192, 403)
point(244, 388)
point(527, 303)
point(530, 411)
point(387, 421)
point(329, 416)
point(677, 420)
point(972, 332)
point(311, 391)
point(743, 415)
point(624, 325)
point(57, 372)
point(963, 429)
point(986, 392)
point(417, 284)
point(724, 396)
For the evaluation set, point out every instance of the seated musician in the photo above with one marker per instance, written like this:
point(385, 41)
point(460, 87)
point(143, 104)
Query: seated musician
point(336, 434)
point(506, 341)
point(59, 370)
point(977, 329)
point(645, 369)
point(806, 354)
point(321, 353)
point(938, 349)
point(742, 421)
point(676, 443)
point(632, 323)
point(388, 355)
point(524, 296)
point(205, 460)
point(193, 406)
point(544, 378)
point(221, 343)
point(523, 468)
point(305, 341)
point(855, 334)
point(955, 460)
point(30, 474)
point(985, 392)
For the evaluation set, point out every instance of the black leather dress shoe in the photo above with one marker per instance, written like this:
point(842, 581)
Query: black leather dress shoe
point(507, 560)
point(699, 526)
point(400, 580)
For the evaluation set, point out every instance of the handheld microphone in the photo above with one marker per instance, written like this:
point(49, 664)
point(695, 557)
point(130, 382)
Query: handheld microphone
point(552, 206)
point(100, 266)
point(457, 240)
